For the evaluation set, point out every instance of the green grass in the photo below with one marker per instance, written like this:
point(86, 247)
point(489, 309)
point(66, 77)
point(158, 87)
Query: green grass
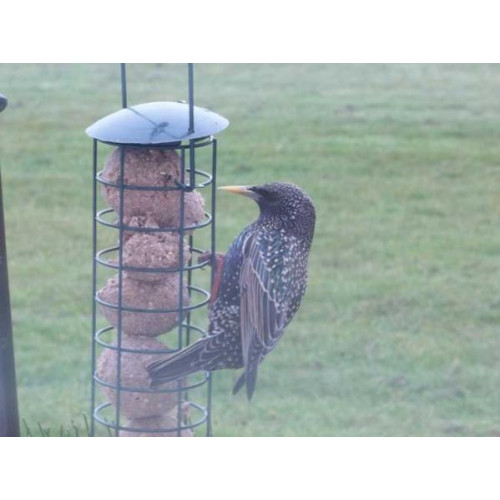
point(399, 333)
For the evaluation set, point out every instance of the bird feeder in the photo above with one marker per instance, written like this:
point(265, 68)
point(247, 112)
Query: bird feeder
point(150, 224)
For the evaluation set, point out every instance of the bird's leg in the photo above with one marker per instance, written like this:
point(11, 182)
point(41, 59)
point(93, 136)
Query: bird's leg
point(217, 260)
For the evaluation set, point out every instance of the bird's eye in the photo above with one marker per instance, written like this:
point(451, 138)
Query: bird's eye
point(270, 195)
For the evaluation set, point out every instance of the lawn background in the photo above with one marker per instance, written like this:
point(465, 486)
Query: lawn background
point(399, 331)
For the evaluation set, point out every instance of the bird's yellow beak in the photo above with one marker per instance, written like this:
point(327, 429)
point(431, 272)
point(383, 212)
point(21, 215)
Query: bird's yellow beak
point(243, 190)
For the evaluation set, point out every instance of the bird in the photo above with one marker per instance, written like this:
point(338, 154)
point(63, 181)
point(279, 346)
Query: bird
point(257, 288)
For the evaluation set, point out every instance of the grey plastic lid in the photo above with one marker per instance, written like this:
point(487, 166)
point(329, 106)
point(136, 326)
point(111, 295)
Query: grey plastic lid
point(156, 123)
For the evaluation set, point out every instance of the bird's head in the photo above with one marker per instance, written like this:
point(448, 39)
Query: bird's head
point(280, 200)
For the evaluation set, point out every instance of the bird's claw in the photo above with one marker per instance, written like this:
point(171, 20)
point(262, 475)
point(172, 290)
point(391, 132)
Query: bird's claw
point(207, 257)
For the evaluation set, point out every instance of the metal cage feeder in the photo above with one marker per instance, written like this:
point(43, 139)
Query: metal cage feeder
point(177, 131)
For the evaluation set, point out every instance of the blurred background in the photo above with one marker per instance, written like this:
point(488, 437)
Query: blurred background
point(398, 334)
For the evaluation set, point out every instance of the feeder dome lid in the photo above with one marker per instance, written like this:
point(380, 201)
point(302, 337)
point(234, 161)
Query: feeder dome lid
point(156, 123)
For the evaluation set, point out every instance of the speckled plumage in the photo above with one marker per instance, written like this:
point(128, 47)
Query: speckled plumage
point(263, 281)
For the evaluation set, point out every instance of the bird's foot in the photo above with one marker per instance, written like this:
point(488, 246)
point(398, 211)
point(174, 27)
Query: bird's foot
point(207, 257)
point(217, 260)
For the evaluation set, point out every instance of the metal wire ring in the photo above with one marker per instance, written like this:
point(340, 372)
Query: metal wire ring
point(107, 345)
point(179, 428)
point(151, 270)
point(190, 288)
point(132, 187)
point(117, 225)
point(123, 388)
point(199, 142)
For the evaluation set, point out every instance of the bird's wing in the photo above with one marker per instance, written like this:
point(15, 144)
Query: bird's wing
point(262, 308)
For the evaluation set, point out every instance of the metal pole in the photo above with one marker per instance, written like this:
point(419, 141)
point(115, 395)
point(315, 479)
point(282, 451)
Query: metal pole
point(192, 173)
point(191, 97)
point(9, 416)
point(123, 73)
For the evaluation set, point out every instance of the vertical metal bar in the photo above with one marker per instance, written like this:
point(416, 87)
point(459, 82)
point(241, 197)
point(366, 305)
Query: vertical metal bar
point(94, 284)
point(120, 294)
point(9, 414)
point(189, 283)
point(213, 208)
point(120, 264)
point(212, 276)
point(180, 306)
point(191, 125)
point(191, 96)
point(181, 248)
point(192, 167)
point(123, 72)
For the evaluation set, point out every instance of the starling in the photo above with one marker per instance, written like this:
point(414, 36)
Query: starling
point(258, 287)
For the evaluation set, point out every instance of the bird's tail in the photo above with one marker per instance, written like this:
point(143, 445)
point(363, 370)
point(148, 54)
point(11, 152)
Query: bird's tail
point(196, 357)
point(249, 376)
